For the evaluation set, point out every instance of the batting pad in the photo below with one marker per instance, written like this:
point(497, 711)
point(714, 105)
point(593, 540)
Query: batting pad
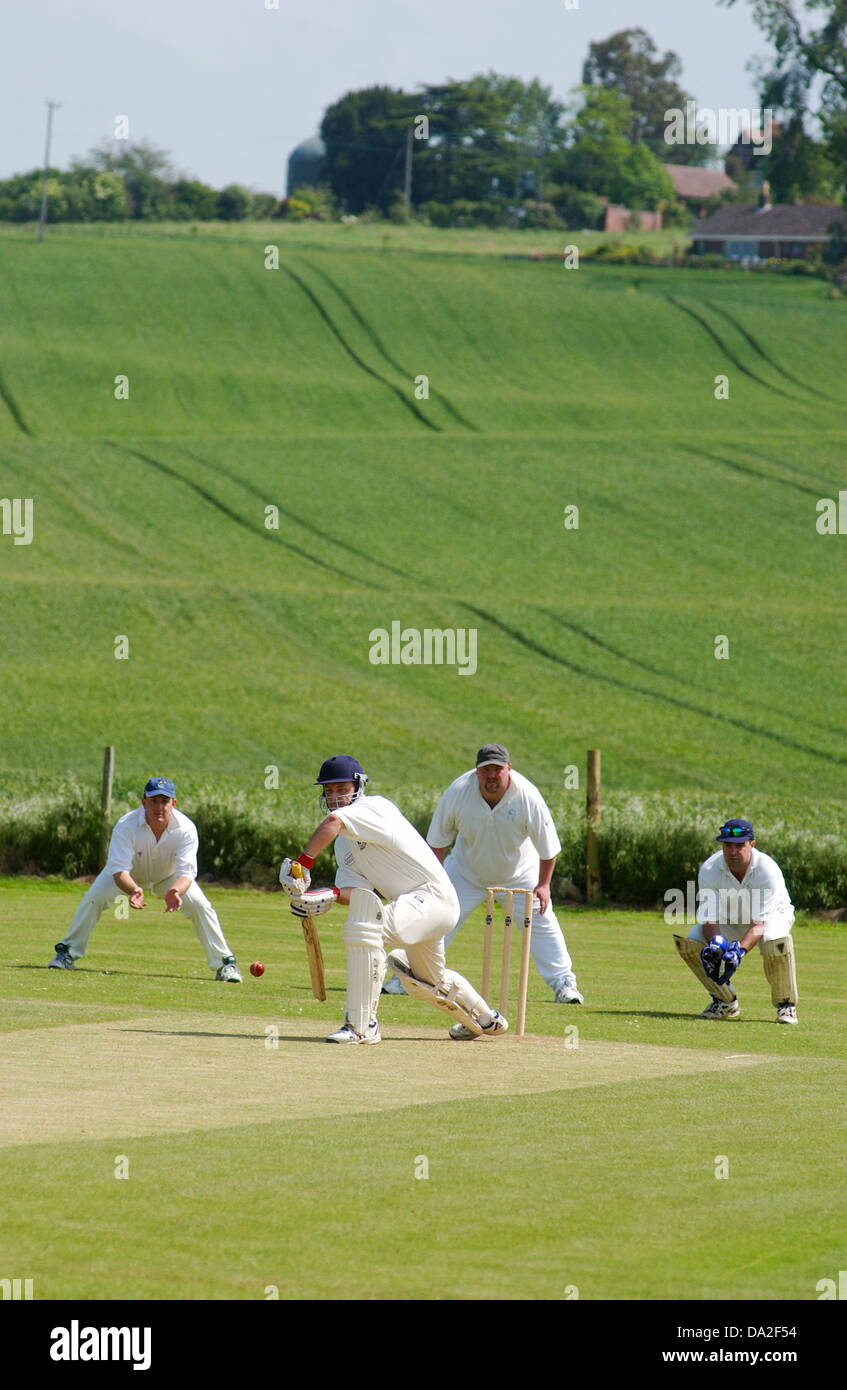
point(778, 962)
point(365, 957)
point(690, 952)
point(454, 995)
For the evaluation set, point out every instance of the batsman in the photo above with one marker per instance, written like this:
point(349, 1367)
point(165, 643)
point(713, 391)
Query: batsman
point(378, 852)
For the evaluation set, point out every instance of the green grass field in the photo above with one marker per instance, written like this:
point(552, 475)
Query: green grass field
point(584, 1155)
point(568, 1160)
point(253, 388)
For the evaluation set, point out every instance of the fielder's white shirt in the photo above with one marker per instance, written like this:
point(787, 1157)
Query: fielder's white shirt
point(134, 849)
point(761, 896)
point(499, 844)
point(382, 851)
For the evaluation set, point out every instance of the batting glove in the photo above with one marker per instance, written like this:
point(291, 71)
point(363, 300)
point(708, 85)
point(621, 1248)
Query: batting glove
point(295, 886)
point(732, 957)
point(314, 903)
point(712, 956)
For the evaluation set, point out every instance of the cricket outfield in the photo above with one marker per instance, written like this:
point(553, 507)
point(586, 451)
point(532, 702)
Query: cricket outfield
point(164, 1136)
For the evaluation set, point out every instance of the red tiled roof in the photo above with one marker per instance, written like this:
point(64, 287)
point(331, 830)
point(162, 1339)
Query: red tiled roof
point(691, 182)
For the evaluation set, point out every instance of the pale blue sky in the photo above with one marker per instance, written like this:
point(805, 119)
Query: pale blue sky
point(229, 87)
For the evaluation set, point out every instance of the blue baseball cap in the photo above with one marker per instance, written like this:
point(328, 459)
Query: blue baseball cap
point(160, 786)
point(735, 832)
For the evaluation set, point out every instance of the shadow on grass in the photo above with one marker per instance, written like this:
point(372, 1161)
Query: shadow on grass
point(690, 1018)
point(262, 1037)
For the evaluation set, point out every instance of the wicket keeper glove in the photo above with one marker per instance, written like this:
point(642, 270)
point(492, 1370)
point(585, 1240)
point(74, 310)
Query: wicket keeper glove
point(314, 903)
point(712, 956)
point(732, 958)
point(295, 886)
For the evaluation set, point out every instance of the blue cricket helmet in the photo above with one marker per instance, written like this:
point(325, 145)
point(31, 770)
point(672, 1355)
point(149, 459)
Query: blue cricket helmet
point(342, 768)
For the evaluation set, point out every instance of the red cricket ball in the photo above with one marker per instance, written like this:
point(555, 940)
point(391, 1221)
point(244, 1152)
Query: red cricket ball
point(257, 968)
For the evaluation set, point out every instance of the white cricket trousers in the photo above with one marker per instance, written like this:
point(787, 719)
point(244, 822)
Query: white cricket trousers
point(418, 922)
point(195, 905)
point(549, 950)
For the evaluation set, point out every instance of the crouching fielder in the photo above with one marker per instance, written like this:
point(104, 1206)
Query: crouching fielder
point(742, 894)
point(378, 851)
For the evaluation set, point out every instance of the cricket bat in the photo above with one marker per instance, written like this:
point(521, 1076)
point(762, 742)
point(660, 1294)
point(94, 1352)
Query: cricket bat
point(314, 954)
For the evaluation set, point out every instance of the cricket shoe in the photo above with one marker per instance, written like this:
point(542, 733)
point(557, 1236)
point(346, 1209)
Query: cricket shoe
point(347, 1033)
point(497, 1026)
point(786, 1013)
point(63, 960)
point(229, 972)
point(568, 993)
point(717, 1009)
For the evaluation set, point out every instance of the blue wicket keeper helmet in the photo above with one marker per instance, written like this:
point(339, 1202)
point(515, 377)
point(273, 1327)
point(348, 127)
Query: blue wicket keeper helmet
point(343, 768)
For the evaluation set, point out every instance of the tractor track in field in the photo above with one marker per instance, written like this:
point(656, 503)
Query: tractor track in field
point(351, 352)
point(759, 350)
point(261, 534)
point(13, 408)
point(750, 472)
point(302, 523)
point(675, 700)
point(380, 347)
point(660, 671)
point(736, 361)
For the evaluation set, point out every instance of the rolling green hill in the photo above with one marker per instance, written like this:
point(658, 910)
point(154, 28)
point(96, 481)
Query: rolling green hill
point(294, 388)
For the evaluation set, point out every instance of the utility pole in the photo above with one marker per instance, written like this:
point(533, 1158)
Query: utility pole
point(51, 107)
point(407, 191)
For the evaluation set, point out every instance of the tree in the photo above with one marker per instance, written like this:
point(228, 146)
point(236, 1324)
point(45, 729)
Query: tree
point(807, 64)
point(799, 167)
point(628, 63)
point(233, 203)
point(365, 138)
point(602, 160)
point(146, 172)
point(190, 200)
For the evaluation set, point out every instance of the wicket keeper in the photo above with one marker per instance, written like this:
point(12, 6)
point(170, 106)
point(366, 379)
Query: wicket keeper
point(740, 887)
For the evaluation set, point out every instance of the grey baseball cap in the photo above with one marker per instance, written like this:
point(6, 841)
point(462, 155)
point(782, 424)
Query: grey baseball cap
point(493, 753)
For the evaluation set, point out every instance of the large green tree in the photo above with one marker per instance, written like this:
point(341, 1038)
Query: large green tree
point(146, 170)
point(805, 77)
point(365, 137)
point(630, 64)
point(602, 159)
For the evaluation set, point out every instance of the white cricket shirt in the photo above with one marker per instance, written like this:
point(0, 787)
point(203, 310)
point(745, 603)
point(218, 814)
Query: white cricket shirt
point(134, 849)
point(381, 850)
point(499, 844)
point(759, 897)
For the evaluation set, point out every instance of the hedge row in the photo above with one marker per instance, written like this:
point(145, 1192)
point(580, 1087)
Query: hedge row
point(648, 846)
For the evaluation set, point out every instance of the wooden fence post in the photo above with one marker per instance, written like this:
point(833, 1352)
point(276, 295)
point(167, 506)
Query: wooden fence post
point(106, 805)
point(592, 811)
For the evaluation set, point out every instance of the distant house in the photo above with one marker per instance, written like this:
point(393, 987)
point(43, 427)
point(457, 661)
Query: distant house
point(747, 156)
point(694, 186)
point(620, 219)
point(781, 230)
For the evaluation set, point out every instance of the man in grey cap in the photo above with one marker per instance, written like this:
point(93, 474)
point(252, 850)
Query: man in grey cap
point(741, 894)
point(502, 833)
point(155, 848)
